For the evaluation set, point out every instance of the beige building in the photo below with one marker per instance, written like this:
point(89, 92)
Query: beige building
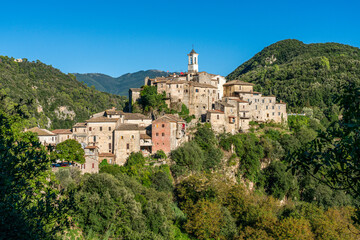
point(126, 141)
point(241, 104)
point(197, 90)
point(91, 164)
point(62, 135)
point(45, 136)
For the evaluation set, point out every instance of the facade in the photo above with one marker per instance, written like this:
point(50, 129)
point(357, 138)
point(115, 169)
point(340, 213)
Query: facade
point(197, 90)
point(46, 137)
point(241, 104)
point(62, 135)
point(91, 164)
point(168, 133)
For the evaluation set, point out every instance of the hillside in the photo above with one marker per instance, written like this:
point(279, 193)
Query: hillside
point(119, 85)
point(57, 100)
point(303, 75)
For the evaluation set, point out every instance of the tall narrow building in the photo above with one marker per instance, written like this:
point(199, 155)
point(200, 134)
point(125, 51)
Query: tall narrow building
point(193, 66)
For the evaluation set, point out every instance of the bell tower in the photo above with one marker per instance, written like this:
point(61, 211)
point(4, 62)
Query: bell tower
point(193, 62)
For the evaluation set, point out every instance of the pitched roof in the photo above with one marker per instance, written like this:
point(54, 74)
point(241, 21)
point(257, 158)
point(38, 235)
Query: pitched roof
point(80, 124)
point(135, 116)
point(215, 111)
point(106, 155)
point(241, 101)
point(128, 127)
point(41, 132)
point(62, 131)
point(145, 136)
point(102, 119)
point(203, 85)
point(238, 82)
point(135, 89)
point(192, 52)
point(91, 147)
point(168, 118)
point(225, 104)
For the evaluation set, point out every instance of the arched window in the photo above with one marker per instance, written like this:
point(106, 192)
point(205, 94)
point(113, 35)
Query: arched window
point(191, 60)
point(195, 60)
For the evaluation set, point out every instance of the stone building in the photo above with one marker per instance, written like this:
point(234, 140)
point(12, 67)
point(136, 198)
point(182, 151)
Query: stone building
point(45, 136)
point(91, 164)
point(197, 90)
point(168, 133)
point(241, 104)
point(62, 135)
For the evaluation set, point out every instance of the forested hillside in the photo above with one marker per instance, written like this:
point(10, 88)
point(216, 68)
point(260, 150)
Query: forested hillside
point(303, 75)
point(51, 98)
point(119, 85)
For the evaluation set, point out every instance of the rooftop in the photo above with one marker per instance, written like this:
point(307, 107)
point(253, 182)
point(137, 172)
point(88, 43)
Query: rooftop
point(238, 82)
point(215, 111)
point(168, 118)
point(102, 119)
point(135, 116)
point(145, 136)
point(80, 124)
point(62, 131)
point(128, 127)
point(41, 132)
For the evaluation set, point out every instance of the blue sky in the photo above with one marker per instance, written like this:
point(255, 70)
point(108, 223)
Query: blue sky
point(117, 37)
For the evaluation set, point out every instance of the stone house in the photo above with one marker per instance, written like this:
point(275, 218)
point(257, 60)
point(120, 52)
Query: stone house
point(126, 141)
point(168, 133)
point(91, 164)
point(45, 136)
point(197, 90)
point(62, 135)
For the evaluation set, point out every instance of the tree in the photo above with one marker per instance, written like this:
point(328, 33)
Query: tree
point(151, 100)
point(334, 156)
point(30, 205)
point(70, 150)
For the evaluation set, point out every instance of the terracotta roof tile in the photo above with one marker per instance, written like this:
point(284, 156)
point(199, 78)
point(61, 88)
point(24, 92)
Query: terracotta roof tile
point(102, 119)
point(62, 131)
point(238, 82)
point(41, 132)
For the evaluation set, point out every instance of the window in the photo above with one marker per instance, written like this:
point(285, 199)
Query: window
point(94, 138)
point(157, 134)
point(110, 161)
point(273, 107)
point(195, 60)
point(177, 85)
point(93, 165)
point(163, 134)
point(100, 128)
point(196, 90)
point(263, 101)
point(132, 137)
point(127, 146)
point(217, 116)
point(273, 114)
point(52, 138)
point(278, 113)
point(109, 137)
point(75, 129)
point(109, 128)
point(256, 107)
point(267, 107)
point(279, 107)
point(214, 91)
point(163, 125)
point(122, 137)
point(270, 101)
point(89, 128)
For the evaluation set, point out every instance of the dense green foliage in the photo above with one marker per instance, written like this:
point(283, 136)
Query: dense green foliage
point(70, 151)
point(333, 157)
point(47, 89)
point(302, 75)
point(119, 85)
point(30, 205)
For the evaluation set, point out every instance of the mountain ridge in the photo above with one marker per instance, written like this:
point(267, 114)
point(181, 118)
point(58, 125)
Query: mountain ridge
point(118, 85)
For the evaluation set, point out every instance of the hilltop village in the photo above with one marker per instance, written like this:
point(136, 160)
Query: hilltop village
point(113, 135)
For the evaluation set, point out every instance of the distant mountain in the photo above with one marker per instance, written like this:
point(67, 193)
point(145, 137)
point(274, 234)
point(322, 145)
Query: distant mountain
point(303, 75)
point(119, 85)
point(57, 100)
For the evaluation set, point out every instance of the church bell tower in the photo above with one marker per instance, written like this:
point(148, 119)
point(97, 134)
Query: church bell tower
point(193, 66)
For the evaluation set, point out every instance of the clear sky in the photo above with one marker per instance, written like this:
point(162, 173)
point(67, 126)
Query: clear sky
point(117, 37)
